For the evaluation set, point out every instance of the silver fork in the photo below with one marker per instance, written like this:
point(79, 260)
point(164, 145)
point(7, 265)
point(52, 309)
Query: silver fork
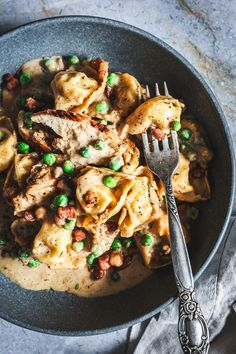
point(192, 327)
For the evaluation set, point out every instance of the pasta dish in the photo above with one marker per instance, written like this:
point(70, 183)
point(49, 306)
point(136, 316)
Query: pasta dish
point(80, 210)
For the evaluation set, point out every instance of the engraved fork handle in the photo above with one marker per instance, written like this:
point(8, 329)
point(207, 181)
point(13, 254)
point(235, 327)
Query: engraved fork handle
point(192, 328)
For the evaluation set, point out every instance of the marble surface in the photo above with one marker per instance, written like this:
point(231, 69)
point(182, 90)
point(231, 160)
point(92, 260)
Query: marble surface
point(204, 32)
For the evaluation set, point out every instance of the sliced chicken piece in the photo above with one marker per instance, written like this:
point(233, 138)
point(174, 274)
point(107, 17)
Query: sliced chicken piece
point(73, 132)
point(160, 111)
point(40, 188)
point(39, 136)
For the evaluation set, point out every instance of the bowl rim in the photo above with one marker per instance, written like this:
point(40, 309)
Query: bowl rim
point(148, 36)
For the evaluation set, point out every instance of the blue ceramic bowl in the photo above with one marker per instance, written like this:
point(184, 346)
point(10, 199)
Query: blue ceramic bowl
point(149, 59)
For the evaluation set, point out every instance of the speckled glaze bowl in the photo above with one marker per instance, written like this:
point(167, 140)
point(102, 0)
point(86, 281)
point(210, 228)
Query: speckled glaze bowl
point(150, 60)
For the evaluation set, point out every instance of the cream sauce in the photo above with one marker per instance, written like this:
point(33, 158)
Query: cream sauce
point(44, 278)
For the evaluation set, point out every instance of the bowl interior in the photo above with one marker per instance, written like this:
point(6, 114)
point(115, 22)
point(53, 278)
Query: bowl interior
point(131, 50)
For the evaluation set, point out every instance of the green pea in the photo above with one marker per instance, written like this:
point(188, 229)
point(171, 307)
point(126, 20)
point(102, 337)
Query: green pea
point(85, 152)
point(49, 158)
point(186, 134)
point(116, 164)
point(115, 276)
point(61, 200)
point(77, 286)
point(21, 102)
point(70, 224)
point(102, 107)
point(194, 212)
point(146, 240)
point(112, 79)
point(97, 252)
point(25, 78)
point(27, 119)
point(68, 167)
point(1, 135)
point(23, 147)
point(90, 259)
point(110, 182)
point(100, 144)
point(24, 254)
point(126, 242)
point(33, 263)
point(73, 60)
point(176, 125)
point(116, 244)
point(3, 240)
point(48, 62)
point(80, 246)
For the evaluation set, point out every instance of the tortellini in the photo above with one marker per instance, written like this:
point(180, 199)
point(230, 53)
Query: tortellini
point(7, 143)
point(134, 197)
point(186, 187)
point(53, 246)
point(127, 94)
point(107, 202)
point(161, 111)
point(76, 90)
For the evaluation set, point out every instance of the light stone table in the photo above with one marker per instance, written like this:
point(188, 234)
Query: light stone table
point(204, 32)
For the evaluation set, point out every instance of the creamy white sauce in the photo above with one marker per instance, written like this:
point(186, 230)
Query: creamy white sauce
point(44, 278)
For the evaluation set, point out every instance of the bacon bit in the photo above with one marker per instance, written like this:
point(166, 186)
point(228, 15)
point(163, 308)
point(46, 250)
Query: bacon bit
point(159, 134)
point(103, 261)
point(59, 221)
point(100, 66)
point(68, 212)
point(33, 104)
point(126, 263)
point(97, 273)
point(108, 90)
point(116, 259)
point(29, 216)
point(90, 198)
point(11, 82)
point(78, 235)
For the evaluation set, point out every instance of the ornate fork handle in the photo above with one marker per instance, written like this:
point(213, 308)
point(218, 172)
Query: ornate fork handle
point(192, 329)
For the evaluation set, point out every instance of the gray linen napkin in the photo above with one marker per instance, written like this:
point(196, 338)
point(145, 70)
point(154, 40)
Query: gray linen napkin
point(216, 292)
